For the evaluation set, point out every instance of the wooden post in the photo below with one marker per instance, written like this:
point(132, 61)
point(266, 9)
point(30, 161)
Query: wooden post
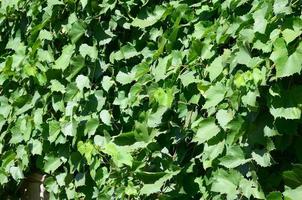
point(33, 189)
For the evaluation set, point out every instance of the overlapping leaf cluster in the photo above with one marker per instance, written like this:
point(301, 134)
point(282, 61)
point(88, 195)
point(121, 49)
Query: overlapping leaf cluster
point(141, 99)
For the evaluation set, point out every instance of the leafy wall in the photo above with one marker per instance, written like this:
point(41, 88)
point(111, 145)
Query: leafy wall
point(141, 99)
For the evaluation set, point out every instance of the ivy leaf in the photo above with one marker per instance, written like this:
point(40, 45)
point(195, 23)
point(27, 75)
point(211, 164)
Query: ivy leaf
point(16, 173)
point(51, 185)
point(107, 82)
point(120, 155)
point(215, 68)
point(56, 86)
point(155, 118)
point(63, 61)
point(187, 78)
point(251, 188)
point(84, 3)
point(262, 158)
point(82, 82)
point(274, 196)
point(293, 64)
point(290, 35)
point(207, 130)
point(210, 152)
point(164, 97)
point(45, 35)
point(287, 113)
point(76, 32)
point(70, 128)
point(54, 130)
point(90, 51)
point(99, 140)
point(60, 178)
point(260, 22)
point(214, 95)
point(224, 117)
point(124, 78)
point(36, 147)
point(286, 66)
point(80, 179)
point(292, 194)
point(91, 126)
point(51, 163)
point(281, 6)
point(105, 117)
point(86, 149)
point(148, 189)
point(226, 183)
point(151, 18)
point(293, 178)
point(127, 51)
point(234, 157)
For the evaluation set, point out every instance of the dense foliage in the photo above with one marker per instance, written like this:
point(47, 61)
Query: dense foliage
point(139, 99)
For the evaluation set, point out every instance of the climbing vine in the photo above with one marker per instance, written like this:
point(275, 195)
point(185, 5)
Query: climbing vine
point(141, 99)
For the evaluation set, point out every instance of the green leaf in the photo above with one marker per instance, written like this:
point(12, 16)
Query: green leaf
point(274, 196)
point(45, 35)
point(215, 68)
point(51, 186)
point(293, 64)
point(56, 86)
point(84, 3)
point(86, 149)
point(63, 61)
point(214, 95)
point(51, 163)
point(91, 126)
point(105, 117)
point(90, 51)
point(155, 187)
point(107, 82)
point(281, 6)
point(155, 118)
point(290, 35)
point(76, 32)
point(262, 158)
point(234, 157)
point(99, 140)
point(251, 188)
point(82, 82)
point(260, 22)
point(207, 130)
point(16, 173)
point(125, 78)
point(61, 179)
point(80, 179)
point(210, 152)
point(187, 78)
point(152, 18)
point(164, 97)
point(70, 128)
point(293, 177)
point(54, 130)
point(226, 182)
point(224, 117)
point(159, 71)
point(286, 66)
point(36, 147)
point(293, 194)
point(127, 51)
point(130, 190)
point(250, 99)
point(120, 155)
point(287, 113)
